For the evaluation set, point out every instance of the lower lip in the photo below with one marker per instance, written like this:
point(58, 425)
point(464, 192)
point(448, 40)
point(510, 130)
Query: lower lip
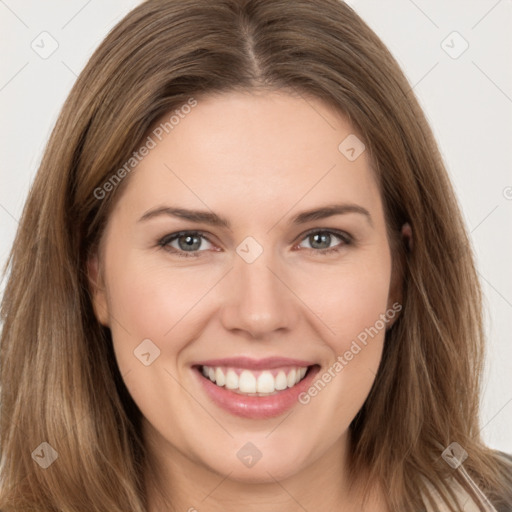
point(256, 407)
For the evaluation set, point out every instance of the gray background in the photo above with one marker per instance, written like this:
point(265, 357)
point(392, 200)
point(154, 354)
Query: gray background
point(465, 92)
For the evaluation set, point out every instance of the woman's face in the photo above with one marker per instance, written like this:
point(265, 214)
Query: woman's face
point(257, 293)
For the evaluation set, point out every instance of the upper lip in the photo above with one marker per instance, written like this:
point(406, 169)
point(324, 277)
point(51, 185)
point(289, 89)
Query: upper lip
point(255, 364)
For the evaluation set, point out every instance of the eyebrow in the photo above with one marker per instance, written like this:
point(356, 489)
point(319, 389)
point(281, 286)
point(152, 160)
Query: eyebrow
point(212, 219)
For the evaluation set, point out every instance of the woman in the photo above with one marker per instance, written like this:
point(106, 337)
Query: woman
point(177, 337)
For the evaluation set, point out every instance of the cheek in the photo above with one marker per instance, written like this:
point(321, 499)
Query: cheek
point(350, 300)
point(152, 300)
point(158, 302)
point(361, 304)
point(351, 303)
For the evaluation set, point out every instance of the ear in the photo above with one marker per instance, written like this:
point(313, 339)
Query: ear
point(399, 262)
point(98, 292)
point(407, 236)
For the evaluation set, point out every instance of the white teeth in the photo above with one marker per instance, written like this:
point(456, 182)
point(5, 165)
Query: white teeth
point(247, 382)
point(231, 380)
point(281, 381)
point(220, 379)
point(265, 383)
point(291, 378)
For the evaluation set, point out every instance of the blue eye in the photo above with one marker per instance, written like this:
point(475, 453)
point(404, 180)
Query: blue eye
point(189, 242)
point(319, 238)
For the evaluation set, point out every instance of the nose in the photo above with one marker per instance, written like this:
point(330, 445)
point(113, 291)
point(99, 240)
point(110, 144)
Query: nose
point(259, 298)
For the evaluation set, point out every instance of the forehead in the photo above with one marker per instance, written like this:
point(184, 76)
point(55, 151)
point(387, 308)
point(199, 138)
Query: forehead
point(254, 151)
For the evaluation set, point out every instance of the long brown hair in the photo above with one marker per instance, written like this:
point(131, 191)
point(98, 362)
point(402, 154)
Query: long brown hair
point(60, 384)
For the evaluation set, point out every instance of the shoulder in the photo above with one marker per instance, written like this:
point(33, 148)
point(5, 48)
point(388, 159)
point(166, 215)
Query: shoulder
point(464, 500)
point(507, 457)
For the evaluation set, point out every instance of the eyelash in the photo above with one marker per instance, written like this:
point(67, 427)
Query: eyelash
point(167, 239)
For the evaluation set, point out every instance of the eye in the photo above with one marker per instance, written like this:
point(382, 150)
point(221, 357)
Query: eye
point(188, 243)
point(320, 241)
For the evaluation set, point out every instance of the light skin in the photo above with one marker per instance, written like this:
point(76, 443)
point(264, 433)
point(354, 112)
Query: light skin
point(257, 160)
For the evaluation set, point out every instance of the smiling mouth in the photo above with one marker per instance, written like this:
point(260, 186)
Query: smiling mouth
point(254, 382)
